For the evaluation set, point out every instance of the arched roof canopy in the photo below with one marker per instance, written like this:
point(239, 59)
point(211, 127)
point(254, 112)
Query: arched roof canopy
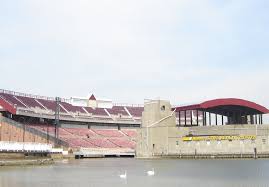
point(227, 106)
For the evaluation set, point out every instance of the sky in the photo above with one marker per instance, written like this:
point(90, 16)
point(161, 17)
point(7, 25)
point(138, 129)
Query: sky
point(185, 51)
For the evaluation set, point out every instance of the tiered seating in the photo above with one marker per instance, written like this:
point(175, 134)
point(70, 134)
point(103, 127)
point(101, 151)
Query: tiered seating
point(51, 130)
point(130, 133)
point(51, 105)
point(108, 133)
point(64, 133)
point(123, 143)
point(75, 137)
point(11, 99)
point(101, 142)
point(71, 108)
point(135, 111)
point(43, 128)
point(30, 102)
point(116, 110)
point(81, 132)
point(77, 142)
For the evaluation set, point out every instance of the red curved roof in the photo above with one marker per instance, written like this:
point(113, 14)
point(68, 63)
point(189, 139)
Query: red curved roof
point(225, 102)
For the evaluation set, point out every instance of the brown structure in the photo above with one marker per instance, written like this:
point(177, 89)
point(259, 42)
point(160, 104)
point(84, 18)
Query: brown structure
point(236, 111)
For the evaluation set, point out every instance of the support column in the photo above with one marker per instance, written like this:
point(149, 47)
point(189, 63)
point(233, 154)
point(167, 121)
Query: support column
point(261, 119)
point(179, 118)
point(251, 119)
point(191, 116)
point(256, 120)
point(246, 119)
point(197, 117)
point(216, 116)
point(185, 115)
point(209, 119)
point(222, 120)
point(205, 119)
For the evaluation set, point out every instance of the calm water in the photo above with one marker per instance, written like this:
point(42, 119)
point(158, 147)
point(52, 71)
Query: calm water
point(168, 173)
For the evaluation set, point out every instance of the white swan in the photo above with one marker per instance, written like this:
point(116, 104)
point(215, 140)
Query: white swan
point(151, 172)
point(123, 176)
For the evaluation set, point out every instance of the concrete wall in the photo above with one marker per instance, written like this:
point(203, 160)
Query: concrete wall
point(166, 139)
point(14, 134)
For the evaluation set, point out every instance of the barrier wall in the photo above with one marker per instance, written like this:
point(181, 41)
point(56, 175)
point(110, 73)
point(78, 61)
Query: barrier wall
point(218, 140)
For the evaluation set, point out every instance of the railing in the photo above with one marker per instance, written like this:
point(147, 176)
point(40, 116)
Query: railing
point(65, 116)
point(31, 95)
point(62, 99)
point(128, 105)
point(33, 131)
point(258, 130)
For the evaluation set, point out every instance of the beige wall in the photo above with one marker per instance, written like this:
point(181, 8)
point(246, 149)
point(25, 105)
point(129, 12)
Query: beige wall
point(165, 138)
point(168, 140)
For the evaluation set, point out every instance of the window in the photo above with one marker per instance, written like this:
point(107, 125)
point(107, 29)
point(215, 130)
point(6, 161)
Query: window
point(163, 108)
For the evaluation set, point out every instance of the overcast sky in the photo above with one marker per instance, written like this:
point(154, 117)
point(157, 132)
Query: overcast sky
point(181, 50)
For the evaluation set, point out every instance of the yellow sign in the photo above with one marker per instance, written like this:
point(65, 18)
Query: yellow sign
point(217, 138)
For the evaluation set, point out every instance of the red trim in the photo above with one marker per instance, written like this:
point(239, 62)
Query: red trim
point(7, 106)
point(225, 102)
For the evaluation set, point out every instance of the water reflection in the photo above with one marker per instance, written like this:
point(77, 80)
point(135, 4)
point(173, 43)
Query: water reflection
point(170, 172)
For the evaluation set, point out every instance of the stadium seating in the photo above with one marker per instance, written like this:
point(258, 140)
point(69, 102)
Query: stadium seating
point(130, 133)
point(96, 111)
point(30, 102)
point(81, 132)
point(123, 143)
point(35, 107)
point(11, 99)
point(108, 133)
point(135, 111)
point(78, 142)
point(89, 138)
point(101, 142)
point(71, 108)
point(117, 110)
point(40, 104)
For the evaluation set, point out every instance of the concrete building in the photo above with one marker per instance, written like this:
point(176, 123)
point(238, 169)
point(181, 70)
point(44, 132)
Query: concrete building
point(241, 135)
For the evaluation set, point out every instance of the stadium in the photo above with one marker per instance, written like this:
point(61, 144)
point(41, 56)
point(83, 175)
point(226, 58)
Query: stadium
point(92, 127)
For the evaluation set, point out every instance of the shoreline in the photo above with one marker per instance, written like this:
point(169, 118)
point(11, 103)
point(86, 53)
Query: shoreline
point(26, 162)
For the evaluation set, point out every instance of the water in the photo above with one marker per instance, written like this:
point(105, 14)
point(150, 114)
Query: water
point(168, 173)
